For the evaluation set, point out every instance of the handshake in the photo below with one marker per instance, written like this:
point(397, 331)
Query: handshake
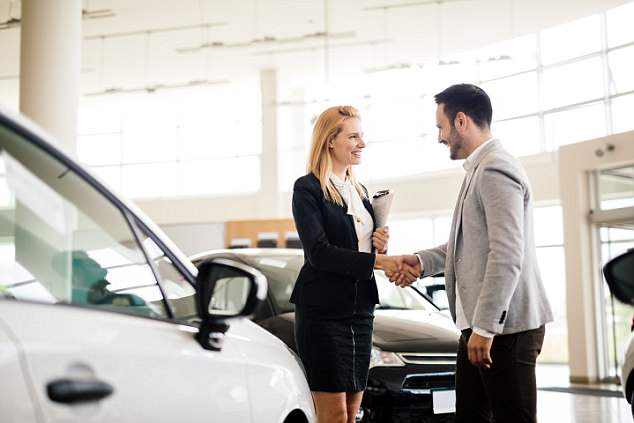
point(402, 270)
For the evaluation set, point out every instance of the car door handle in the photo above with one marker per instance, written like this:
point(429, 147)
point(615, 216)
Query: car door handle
point(68, 391)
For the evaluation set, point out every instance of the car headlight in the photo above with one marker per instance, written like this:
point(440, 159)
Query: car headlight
point(380, 358)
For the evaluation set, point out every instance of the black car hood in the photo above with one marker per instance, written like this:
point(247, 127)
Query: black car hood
point(414, 331)
point(402, 331)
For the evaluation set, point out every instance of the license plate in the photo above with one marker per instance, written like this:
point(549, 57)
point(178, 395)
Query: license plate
point(444, 401)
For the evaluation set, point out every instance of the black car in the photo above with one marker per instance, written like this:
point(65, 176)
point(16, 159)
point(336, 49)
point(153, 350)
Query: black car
point(412, 367)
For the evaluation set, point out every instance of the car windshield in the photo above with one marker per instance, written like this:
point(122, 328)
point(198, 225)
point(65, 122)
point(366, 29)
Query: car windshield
point(281, 272)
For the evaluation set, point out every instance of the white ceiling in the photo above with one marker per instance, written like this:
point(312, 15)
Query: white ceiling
point(145, 42)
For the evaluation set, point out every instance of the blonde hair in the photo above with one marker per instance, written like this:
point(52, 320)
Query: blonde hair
point(327, 127)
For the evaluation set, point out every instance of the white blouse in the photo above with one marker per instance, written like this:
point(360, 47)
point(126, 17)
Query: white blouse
point(363, 223)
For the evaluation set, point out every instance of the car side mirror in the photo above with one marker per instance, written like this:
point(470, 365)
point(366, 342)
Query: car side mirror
point(225, 289)
point(619, 274)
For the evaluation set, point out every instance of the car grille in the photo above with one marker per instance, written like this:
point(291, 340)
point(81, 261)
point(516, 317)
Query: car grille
point(428, 358)
point(424, 383)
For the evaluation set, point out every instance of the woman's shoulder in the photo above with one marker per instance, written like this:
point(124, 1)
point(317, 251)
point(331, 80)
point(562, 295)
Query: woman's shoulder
point(308, 181)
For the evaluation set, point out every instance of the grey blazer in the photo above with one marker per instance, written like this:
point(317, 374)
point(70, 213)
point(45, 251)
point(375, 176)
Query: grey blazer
point(490, 255)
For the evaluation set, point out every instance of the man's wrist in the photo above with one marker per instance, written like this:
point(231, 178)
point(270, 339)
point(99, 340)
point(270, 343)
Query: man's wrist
point(483, 332)
point(420, 261)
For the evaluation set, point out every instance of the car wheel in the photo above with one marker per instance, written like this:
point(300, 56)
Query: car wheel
point(632, 402)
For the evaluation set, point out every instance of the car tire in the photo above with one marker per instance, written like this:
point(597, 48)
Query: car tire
point(632, 402)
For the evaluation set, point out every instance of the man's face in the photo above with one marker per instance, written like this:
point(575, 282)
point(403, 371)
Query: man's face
point(448, 135)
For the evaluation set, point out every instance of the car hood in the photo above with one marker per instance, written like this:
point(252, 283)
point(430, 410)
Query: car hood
point(414, 331)
point(409, 331)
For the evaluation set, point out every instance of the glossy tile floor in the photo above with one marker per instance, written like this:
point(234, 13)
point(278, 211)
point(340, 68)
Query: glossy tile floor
point(558, 407)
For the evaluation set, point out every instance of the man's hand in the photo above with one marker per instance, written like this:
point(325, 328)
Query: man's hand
point(479, 350)
point(380, 237)
point(410, 273)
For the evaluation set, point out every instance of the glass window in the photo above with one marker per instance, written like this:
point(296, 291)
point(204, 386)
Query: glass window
point(220, 176)
point(619, 25)
point(449, 71)
point(621, 63)
point(395, 298)
point(617, 316)
point(553, 271)
point(548, 226)
point(409, 235)
point(100, 149)
point(521, 137)
point(616, 188)
point(150, 180)
point(159, 131)
point(63, 242)
point(111, 175)
point(622, 108)
point(574, 125)
point(292, 166)
point(442, 228)
point(513, 96)
point(179, 292)
point(572, 83)
point(391, 158)
point(570, 40)
point(508, 57)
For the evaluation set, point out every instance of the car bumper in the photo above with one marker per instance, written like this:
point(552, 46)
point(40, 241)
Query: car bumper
point(404, 394)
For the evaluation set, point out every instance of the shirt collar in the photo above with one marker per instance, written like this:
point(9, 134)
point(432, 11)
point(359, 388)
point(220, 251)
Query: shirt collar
point(339, 183)
point(470, 161)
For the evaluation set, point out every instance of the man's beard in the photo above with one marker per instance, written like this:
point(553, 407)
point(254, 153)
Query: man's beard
point(455, 145)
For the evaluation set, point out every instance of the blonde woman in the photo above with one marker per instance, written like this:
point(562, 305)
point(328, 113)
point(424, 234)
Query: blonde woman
point(336, 292)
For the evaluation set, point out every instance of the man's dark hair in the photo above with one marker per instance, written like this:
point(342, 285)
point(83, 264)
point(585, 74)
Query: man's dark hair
point(469, 99)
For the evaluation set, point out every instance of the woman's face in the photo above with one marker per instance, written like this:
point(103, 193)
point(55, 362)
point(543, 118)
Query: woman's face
point(346, 148)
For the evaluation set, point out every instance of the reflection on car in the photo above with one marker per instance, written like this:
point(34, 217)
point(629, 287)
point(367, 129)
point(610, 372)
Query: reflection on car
point(413, 357)
point(102, 319)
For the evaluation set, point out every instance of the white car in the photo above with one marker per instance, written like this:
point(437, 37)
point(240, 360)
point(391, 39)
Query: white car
point(102, 319)
point(619, 274)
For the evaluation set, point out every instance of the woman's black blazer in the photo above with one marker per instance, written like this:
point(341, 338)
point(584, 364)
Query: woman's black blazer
point(335, 273)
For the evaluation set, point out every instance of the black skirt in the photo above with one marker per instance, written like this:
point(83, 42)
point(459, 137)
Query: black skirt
point(334, 347)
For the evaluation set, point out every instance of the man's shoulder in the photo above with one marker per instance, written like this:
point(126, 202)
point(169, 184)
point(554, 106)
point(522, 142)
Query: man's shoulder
point(500, 158)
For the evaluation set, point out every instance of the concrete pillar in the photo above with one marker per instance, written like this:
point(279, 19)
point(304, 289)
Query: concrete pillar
point(269, 168)
point(50, 66)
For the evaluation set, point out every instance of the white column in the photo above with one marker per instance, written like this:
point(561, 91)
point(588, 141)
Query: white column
point(269, 162)
point(50, 66)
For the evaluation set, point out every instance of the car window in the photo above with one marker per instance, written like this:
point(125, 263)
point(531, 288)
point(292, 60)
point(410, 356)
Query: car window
point(180, 294)
point(393, 297)
point(63, 242)
point(281, 273)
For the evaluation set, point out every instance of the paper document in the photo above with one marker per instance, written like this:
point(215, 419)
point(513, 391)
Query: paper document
point(381, 204)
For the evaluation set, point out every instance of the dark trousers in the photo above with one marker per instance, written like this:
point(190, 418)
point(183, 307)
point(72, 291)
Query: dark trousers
point(505, 393)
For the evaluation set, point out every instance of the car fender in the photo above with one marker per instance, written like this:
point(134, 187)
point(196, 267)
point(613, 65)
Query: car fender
point(277, 382)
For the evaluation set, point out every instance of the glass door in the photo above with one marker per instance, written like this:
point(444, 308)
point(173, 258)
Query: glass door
point(613, 217)
point(618, 317)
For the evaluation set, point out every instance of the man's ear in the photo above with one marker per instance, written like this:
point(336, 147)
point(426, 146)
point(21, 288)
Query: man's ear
point(461, 121)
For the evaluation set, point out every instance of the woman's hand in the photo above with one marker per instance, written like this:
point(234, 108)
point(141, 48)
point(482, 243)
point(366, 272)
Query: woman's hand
point(389, 264)
point(380, 238)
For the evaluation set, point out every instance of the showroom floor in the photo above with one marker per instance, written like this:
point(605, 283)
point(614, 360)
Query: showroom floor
point(565, 407)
